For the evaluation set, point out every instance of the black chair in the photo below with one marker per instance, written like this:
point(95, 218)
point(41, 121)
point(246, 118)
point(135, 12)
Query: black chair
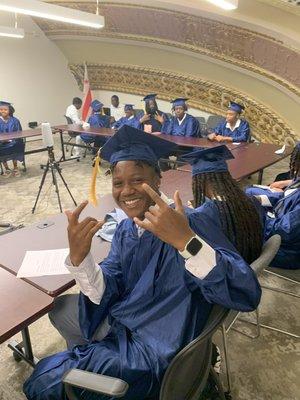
point(201, 120)
point(32, 124)
point(106, 111)
point(185, 378)
point(213, 121)
point(71, 134)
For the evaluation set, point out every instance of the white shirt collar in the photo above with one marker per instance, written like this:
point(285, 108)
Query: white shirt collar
point(237, 124)
point(181, 121)
point(131, 117)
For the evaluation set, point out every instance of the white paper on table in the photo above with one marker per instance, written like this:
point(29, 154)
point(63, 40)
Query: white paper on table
point(280, 151)
point(265, 187)
point(43, 262)
point(236, 143)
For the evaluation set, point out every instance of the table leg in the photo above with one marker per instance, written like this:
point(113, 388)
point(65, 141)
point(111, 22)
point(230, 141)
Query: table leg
point(260, 176)
point(23, 350)
point(63, 157)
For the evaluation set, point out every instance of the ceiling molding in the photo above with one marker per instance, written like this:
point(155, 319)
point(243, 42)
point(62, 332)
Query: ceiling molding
point(205, 95)
point(285, 5)
point(247, 49)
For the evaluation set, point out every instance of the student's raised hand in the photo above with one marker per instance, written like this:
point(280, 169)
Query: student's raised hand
point(168, 224)
point(159, 118)
point(145, 118)
point(80, 234)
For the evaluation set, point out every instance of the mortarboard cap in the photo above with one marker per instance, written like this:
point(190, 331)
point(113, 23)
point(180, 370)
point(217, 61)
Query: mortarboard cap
point(96, 105)
point(179, 102)
point(4, 103)
point(150, 97)
point(236, 107)
point(128, 107)
point(208, 160)
point(130, 144)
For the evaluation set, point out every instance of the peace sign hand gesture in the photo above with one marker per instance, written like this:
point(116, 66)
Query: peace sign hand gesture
point(80, 234)
point(168, 224)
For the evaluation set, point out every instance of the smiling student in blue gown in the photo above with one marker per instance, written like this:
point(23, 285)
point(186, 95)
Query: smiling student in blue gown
point(96, 120)
point(167, 266)
point(281, 201)
point(182, 123)
point(218, 196)
point(152, 119)
point(12, 149)
point(130, 119)
point(233, 129)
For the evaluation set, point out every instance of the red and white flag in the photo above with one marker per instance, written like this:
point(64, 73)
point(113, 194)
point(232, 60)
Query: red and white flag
point(87, 96)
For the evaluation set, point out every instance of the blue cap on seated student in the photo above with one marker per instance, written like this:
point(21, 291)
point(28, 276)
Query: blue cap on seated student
point(128, 107)
point(4, 103)
point(96, 105)
point(233, 129)
point(208, 160)
point(180, 102)
point(134, 156)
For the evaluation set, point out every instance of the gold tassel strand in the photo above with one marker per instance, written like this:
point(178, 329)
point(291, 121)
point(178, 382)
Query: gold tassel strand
point(92, 195)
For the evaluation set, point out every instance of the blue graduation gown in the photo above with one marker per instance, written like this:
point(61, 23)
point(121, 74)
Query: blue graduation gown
point(97, 121)
point(154, 306)
point(284, 220)
point(239, 134)
point(13, 149)
point(189, 127)
point(134, 122)
point(156, 125)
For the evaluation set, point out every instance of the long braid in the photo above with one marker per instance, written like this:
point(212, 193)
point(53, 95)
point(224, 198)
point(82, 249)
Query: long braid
point(238, 216)
point(295, 163)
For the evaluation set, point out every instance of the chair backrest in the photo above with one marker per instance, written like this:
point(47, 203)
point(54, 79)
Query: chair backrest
point(187, 374)
point(32, 124)
point(269, 251)
point(201, 120)
point(106, 111)
point(214, 120)
point(69, 121)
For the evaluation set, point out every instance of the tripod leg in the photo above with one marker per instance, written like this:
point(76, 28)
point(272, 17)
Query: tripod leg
point(40, 187)
point(65, 183)
point(54, 180)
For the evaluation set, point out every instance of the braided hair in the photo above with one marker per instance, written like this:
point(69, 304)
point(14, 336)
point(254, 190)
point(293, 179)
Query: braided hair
point(295, 163)
point(239, 218)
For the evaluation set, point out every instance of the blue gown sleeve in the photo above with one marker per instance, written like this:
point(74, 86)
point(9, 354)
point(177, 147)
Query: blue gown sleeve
point(17, 125)
point(192, 128)
point(231, 283)
point(167, 126)
point(218, 130)
point(118, 124)
point(242, 133)
point(287, 226)
point(91, 314)
point(273, 197)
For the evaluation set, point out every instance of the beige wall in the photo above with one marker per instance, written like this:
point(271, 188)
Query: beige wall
point(284, 104)
point(35, 75)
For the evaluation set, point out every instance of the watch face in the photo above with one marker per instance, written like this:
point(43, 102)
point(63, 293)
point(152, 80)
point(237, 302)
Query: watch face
point(194, 246)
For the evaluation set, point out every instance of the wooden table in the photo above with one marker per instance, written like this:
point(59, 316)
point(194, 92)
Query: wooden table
point(52, 236)
point(21, 304)
point(23, 135)
point(250, 159)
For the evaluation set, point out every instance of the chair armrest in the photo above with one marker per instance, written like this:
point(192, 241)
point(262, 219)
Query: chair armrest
point(107, 385)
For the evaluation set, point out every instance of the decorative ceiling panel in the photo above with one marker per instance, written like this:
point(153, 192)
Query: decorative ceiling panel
point(205, 95)
point(247, 49)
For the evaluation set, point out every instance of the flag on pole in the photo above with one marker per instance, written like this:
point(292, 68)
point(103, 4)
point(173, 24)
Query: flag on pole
point(87, 95)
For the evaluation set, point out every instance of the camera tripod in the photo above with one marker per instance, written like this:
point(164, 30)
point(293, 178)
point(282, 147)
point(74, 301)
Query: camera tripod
point(54, 167)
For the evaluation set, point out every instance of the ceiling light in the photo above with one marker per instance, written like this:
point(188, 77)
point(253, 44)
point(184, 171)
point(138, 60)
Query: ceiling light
point(40, 9)
point(225, 4)
point(12, 32)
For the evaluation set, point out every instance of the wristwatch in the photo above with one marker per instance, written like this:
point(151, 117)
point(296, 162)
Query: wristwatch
point(192, 247)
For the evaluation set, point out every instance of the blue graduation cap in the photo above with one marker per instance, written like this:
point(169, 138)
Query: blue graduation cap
point(130, 144)
point(236, 107)
point(128, 107)
point(4, 103)
point(150, 97)
point(179, 102)
point(96, 105)
point(208, 160)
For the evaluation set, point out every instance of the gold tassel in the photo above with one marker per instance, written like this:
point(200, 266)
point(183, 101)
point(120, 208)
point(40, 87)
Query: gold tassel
point(92, 195)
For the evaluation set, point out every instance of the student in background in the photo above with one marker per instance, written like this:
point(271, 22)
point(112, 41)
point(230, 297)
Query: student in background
point(166, 270)
point(97, 120)
point(218, 196)
point(152, 119)
point(286, 178)
point(281, 202)
point(130, 119)
point(182, 123)
point(72, 112)
point(116, 109)
point(233, 129)
point(11, 149)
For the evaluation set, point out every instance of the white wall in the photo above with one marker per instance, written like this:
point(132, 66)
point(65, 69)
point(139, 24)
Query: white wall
point(104, 96)
point(34, 75)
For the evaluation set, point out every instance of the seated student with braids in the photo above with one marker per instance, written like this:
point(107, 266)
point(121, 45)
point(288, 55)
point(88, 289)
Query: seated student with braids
point(281, 204)
point(153, 294)
point(228, 206)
